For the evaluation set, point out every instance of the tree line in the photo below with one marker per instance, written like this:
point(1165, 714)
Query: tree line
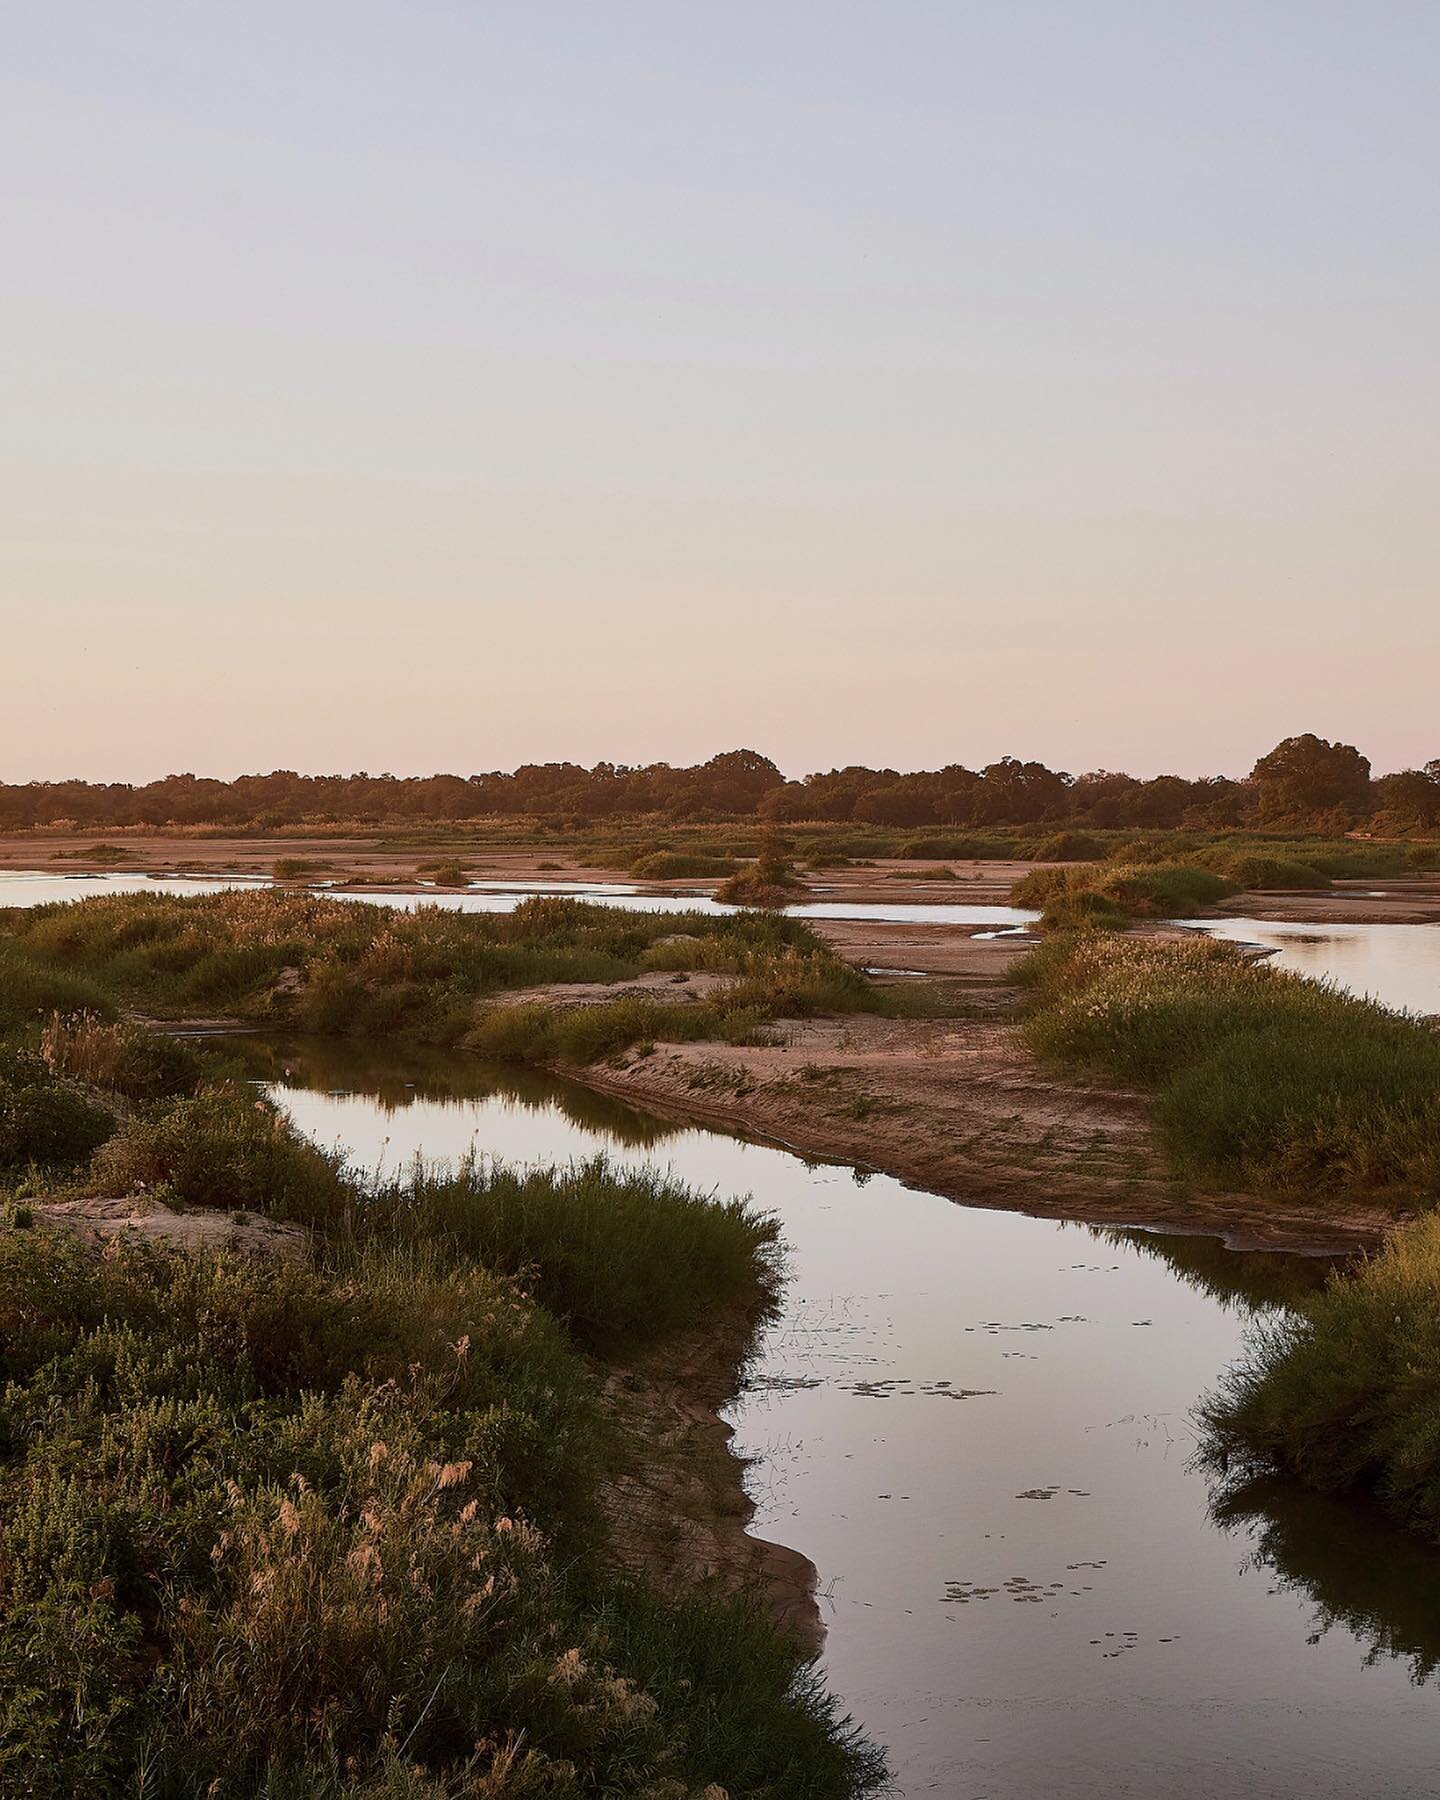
point(1305, 781)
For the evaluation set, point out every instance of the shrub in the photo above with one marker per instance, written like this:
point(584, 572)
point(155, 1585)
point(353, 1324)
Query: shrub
point(123, 1059)
point(620, 1257)
point(448, 874)
point(1112, 892)
point(1258, 870)
point(675, 865)
point(1260, 1076)
point(45, 1120)
point(332, 1530)
point(223, 1150)
point(336, 968)
point(1069, 846)
point(29, 991)
point(1346, 1394)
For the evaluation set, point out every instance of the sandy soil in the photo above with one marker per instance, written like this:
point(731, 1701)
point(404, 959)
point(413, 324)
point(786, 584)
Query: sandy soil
point(100, 1221)
point(959, 1107)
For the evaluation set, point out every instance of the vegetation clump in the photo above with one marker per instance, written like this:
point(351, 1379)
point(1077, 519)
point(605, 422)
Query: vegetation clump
point(335, 968)
point(1261, 1078)
point(680, 865)
point(1115, 893)
point(333, 1524)
point(770, 881)
point(1345, 1394)
point(1261, 870)
point(447, 874)
point(1069, 847)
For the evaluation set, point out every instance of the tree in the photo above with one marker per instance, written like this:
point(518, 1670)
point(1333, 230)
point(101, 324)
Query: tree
point(1411, 798)
point(1306, 775)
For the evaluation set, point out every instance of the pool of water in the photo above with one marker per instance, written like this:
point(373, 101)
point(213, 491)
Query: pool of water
point(979, 1426)
point(1398, 965)
point(24, 888)
point(32, 887)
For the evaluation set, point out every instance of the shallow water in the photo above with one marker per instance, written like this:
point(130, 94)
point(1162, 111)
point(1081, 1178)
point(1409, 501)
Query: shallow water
point(31, 887)
point(1398, 965)
point(978, 1425)
point(24, 888)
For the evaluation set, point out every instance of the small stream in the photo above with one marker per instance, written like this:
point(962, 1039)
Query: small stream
point(979, 1427)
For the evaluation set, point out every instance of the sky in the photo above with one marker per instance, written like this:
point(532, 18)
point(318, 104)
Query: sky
point(451, 384)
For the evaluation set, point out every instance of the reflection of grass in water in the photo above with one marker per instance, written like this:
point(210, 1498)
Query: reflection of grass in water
point(1253, 1278)
point(396, 1076)
point(1358, 1570)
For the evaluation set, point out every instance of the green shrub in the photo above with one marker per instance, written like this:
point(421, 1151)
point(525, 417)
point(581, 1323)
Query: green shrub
point(448, 874)
point(620, 1257)
point(676, 865)
point(1257, 870)
point(1069, 846)
point(43, 1119)
point(1346, 1394)
point(222, 1150)
point(339, 969)
point(332, 1529)
point(30, 991)
point(1261, 1077)
point(1110, 892)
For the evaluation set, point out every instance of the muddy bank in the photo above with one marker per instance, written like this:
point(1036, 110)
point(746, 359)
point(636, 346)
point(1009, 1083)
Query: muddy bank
point(679, 1516)
point(959, 1107)
point(101, 1221)
point(1408, 901)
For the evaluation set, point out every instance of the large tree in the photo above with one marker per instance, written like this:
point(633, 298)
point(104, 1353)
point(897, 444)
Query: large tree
point(1306, 775)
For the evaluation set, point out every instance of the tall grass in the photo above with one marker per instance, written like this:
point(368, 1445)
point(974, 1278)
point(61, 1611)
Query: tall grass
point(32, 988)
point(331, 1525)
point(1346, 1394)
point(300, 1531)
point(619, 1257)
point(1114, 893)
point(676, 865)
point(324, 966)
point(1260, 1077)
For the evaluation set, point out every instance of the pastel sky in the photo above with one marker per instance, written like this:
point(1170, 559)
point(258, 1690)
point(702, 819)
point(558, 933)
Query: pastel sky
point(453, 383)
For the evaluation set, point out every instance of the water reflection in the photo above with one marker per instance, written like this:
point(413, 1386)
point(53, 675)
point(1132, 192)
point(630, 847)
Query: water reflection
point(1348, 1563)
point(1398, 965)
point(1252, 1279)
point(391, 1078)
